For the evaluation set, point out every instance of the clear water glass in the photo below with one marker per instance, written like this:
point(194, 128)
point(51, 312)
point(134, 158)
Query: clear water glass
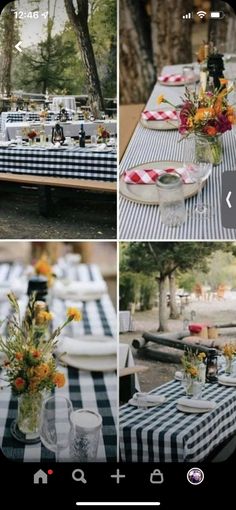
point(55, 426)
point(85, 435)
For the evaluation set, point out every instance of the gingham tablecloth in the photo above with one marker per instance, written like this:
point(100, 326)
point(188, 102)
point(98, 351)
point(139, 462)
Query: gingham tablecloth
point(93, 390)
point(164, 434)
point(70, 128)
point(138, 221)
point(74, 162)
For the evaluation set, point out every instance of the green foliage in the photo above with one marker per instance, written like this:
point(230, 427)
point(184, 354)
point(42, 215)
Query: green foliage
point(147, 290)
point(128, 289)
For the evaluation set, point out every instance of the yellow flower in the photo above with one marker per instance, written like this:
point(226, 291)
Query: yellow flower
point(201, 356)
point(161, 99)
point(74, 314)
point(193, 371)
point(44, 317)
point(43, 267)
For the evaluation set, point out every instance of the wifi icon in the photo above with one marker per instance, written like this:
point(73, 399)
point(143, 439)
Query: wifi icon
point(201, 14)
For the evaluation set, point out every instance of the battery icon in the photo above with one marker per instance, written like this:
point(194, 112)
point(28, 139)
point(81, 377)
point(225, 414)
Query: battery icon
point(217, 14)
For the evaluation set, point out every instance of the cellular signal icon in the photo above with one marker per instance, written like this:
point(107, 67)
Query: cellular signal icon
point(188, 16)
point(201, 14)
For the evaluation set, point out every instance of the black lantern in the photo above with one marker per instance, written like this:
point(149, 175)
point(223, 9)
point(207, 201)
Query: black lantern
point(215, 67)
point(212, 366)
point(58, 134)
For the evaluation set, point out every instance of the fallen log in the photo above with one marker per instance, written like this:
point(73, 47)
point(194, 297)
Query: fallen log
point(176, 341)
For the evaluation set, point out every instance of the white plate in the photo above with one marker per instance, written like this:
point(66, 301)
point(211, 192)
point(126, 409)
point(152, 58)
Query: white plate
point(91, 363)
point(147, 193)
point(225, 383)
point(179, 83)
point(193, 410)
point(133, 402)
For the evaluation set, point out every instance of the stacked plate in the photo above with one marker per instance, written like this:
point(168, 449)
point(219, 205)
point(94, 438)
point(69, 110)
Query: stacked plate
point(191, 405)
point(227, 380)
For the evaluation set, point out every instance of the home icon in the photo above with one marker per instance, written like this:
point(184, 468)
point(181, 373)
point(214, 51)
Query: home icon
point(40, 477)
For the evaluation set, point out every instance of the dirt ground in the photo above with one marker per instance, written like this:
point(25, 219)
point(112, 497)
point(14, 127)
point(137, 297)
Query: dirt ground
point(75, 215)
point(222, 311)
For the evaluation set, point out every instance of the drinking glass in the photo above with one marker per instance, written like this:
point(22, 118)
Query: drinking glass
point(200, 169)
point(93, 139)
point(85, 435)
point(56, 425)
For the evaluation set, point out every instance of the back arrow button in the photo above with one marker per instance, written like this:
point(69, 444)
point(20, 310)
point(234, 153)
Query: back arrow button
point(17, 46)
point(228, 199)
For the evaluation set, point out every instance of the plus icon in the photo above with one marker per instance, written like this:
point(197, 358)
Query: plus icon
point(118, 476)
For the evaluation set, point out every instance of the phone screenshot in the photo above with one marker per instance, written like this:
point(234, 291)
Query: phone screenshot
point(58, 365)
point(177, 88)
point(58, 131)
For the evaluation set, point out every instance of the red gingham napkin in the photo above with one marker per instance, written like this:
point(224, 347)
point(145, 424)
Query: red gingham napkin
point(150, 175)
point(172, 78)
point(159, 115)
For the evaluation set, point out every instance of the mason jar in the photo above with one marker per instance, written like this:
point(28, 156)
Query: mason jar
point(171, 199)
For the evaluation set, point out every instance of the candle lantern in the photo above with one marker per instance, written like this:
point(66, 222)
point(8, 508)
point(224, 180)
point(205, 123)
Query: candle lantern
point(212, 366)
point(58, 134)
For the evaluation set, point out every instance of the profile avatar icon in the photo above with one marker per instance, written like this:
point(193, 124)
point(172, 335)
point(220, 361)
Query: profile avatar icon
point(195, 476)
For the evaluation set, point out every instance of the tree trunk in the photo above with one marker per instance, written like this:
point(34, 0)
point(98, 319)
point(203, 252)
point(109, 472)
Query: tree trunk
point(171, 35)
point(224, 31)
point(7, 48)
point(137, 74)
point(79, 22)
point(163, 324)
point(174, 312)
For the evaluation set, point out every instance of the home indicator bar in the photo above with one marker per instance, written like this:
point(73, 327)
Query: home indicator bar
point(116, 503)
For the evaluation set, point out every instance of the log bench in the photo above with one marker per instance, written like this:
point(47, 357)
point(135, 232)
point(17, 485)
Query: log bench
point(45, 185)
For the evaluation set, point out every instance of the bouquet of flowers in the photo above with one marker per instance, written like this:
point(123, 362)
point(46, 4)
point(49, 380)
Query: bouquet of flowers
point(30, 365)
point(206, 115)
point(103, 134)
point(192, 366)
point(229, 352)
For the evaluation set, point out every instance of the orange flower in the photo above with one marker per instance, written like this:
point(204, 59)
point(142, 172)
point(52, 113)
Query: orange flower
point(193, 371)
point(42, 371)
point(19, 356)
point(231, 114)
point(74, 314)
point(59, 379)
point(43, 267)
point(223, 81)
point(211, 130)
point(36, 354)
point(19, 383)
point(44, 317)
point(203, 113)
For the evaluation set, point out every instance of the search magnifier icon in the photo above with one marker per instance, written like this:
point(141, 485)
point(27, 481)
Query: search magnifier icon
point(78, 475)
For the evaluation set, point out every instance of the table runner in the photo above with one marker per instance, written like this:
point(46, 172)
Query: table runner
point(94, 390)
point(72, 162)
point(164, 434)
point(139, 221)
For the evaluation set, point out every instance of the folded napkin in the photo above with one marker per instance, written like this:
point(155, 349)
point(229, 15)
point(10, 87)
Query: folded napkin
point(227, 379)
point(159, 115)
point(198, 404)
point(171, 78)
point(150, 399)
point(150, 175)
point(88, 346)
point(79, 291)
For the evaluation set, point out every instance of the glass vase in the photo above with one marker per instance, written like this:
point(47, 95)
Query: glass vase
point(29, 412)
point(209, 149)
point(228, 366)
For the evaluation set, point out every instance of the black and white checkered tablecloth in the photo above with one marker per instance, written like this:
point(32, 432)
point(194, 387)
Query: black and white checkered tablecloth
point(86, 164)
point(93, 390)
point(141, 221)
point(165, 434)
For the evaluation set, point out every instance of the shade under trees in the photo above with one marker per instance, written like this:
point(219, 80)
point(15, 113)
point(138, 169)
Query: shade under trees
point(164, 259)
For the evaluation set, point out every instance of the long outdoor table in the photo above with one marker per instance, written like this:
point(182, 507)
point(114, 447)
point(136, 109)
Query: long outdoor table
point(93, 390)
point(165, 434)
point(95, 164)
point(70, 128)
point(141, 221)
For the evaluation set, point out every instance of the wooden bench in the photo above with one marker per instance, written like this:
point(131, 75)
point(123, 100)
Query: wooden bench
point(46, 183)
